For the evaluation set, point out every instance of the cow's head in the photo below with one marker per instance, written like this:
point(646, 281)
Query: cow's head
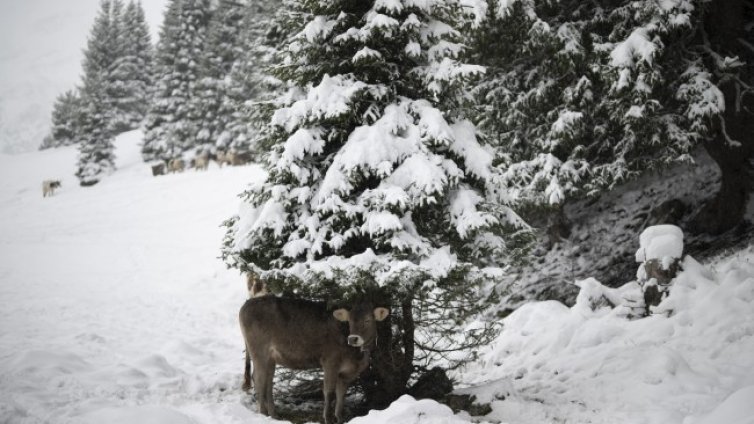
point(362, 323)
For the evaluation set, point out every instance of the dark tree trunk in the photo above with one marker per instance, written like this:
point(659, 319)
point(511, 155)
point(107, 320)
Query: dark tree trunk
point(558, 226)
point(732, 144)
point(392, 361)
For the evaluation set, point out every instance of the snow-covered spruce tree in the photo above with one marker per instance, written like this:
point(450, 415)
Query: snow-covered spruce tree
point(114, 85)
point(100, 54)
point(171, 124)
point(221, 51)
point(130, 78)
point(96, 158)
point(98, 58)
point(580, 96)
point(377, 184)
point(252, 90)
point(66, 114)
point(159, 111)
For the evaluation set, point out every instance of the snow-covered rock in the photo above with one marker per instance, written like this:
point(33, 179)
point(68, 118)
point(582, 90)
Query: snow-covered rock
point(663, 242)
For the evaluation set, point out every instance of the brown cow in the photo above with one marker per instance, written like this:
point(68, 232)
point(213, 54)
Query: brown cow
point(222, 158)
point(237, 158)
point(158, 169)
point(201, 162)
point(300, 334)
point(176, 165)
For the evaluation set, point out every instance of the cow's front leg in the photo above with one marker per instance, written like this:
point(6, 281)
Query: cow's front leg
point(328, 390)
point(340, 394)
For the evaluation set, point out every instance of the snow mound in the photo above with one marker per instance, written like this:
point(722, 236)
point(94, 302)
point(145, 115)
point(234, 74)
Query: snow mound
point(407, 410)
point(552, 363)
point(136, 414)
point(114, 307)
point(738, 408)
point(660, 242)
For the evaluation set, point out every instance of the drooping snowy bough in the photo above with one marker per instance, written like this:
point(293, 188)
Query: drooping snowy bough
point(376, 182)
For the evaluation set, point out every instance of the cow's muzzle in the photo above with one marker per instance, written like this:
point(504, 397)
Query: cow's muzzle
point(355, 341)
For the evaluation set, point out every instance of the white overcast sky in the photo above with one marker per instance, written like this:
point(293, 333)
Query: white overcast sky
point(41, 44)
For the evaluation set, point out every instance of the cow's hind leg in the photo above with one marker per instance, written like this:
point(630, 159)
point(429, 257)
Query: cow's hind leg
point(260, 383)
point(247, 372)
point(269, 376)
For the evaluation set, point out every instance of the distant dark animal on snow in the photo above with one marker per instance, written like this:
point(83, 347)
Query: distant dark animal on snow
point(158, 169)
point(222, 157)
point(49, 186)
point(176, 165)
point(300, 334)
point(237, 159)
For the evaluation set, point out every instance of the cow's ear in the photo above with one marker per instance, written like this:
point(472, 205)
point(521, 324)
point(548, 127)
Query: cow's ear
point(340, 314)
point(381, 313)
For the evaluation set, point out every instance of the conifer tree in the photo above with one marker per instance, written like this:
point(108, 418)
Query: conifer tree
point(131, 73)
point(252, 89)
point(377, 183)
point(172, 124)
point(581, 97)
point(96, 157)
point(221, 51)
point(66, 118)
point(98, 55)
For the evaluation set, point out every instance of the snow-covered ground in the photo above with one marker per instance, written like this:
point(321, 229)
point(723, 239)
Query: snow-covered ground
point(113, 304)
point(115, 309)
point(690, 363)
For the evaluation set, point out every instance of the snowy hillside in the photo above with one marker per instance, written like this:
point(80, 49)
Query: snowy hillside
point(114, 308)
point(113, 304)
point(41, 44)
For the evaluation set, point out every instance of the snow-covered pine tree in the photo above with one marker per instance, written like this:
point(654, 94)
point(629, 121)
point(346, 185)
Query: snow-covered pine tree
point(171, 124)
point(252, 89)
point(159, 112)
point(548, 102)
point(98, 55)
point(66, 114)
point(131, 74)
point(222, 49)
point(581, 96)
point(376, 183)
point(115, 87)
point(96, 157)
